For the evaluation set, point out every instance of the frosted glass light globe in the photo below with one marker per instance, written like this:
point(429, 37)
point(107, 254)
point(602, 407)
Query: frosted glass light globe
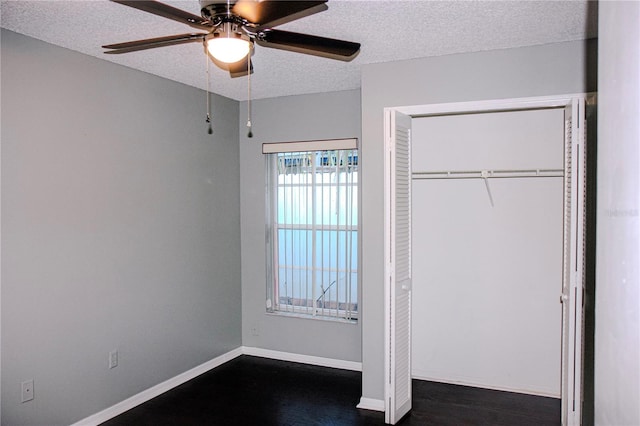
point(228, 49)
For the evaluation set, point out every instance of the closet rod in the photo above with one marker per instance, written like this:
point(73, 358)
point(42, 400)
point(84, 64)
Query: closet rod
point(485, 174)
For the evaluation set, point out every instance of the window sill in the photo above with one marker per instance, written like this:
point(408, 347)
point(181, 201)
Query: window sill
point(353, 321)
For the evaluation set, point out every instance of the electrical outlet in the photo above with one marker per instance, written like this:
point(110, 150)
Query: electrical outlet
point(255, 330)
point(113, 359)
point(27, 390)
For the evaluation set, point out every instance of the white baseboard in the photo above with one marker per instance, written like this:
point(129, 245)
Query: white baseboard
point(304, 359)
point(474, 384)
point(156, 390)
point(371, 404)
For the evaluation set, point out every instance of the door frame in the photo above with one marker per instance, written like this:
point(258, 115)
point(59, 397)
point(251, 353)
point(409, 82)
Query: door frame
point(572, 292)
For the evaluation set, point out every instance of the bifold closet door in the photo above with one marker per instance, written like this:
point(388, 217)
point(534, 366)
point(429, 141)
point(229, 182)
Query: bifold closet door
point(397, 267)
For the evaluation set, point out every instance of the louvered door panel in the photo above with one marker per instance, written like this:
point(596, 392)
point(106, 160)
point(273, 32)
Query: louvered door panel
point(399, 296)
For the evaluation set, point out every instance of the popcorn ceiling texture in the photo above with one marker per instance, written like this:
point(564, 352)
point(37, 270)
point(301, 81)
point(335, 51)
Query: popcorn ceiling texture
point(387, 30)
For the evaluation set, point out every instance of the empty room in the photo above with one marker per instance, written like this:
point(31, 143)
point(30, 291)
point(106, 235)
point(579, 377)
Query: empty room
point(378, 212)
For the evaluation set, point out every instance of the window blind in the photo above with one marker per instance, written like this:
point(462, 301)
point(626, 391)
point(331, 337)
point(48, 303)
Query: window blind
point(312, 222)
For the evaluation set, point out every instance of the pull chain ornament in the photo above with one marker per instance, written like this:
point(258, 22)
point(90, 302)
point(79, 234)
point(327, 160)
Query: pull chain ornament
point(249, 133)
point(208, 120)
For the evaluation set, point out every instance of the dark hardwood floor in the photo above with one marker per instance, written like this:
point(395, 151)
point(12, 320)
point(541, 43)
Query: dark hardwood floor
point(259, 391)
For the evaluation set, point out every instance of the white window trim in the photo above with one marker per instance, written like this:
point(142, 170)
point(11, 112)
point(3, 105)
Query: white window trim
point(319, 145)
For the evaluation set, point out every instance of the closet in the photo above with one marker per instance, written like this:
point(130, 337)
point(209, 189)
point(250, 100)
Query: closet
point(485, 204)
point(487, 197)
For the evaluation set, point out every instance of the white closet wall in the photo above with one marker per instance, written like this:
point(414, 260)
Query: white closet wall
point(487, 279)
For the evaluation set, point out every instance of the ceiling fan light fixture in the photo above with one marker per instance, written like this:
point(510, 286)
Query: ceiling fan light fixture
point(228, 46)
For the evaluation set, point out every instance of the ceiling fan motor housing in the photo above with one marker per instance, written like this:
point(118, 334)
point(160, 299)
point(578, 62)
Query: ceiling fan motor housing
point(219, 11)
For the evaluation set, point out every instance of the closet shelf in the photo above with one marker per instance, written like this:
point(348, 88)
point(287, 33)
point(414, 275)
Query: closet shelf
point(486, 174)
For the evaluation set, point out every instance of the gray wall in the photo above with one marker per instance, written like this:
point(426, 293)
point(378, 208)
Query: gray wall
point(617, 335)
point(120, 230)
point(306, 117)
point(532, 71)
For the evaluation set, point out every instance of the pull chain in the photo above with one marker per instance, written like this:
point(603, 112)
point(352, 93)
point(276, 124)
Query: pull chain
point(249, 134)
point(210, 129)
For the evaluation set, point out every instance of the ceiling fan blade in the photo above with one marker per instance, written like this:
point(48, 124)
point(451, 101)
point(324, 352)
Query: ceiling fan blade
point(276, 12)
point(169, 12)
point(309, 44)
point(239, 69)
point(151, 43)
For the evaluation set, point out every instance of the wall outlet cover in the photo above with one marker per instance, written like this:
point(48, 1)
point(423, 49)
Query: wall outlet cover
point(113, 359)
point(27, 390)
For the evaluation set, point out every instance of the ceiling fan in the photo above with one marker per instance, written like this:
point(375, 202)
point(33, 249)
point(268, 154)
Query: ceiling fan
point(232, 27)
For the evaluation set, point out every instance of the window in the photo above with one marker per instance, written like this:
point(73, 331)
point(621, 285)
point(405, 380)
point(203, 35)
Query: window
point(312, 228)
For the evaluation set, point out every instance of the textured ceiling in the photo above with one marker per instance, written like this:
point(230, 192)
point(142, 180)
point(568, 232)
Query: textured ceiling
point(387, 30)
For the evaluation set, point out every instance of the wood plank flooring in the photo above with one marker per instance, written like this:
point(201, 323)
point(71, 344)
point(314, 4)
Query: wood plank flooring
point(259, 391)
